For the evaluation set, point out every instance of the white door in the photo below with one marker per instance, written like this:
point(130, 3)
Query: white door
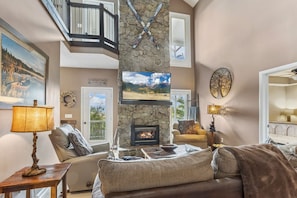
point(96, 114)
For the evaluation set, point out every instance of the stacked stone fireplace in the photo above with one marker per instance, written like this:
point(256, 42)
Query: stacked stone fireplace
point(145, 57)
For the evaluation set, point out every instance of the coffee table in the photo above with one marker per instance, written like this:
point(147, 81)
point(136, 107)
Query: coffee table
point(156, 152)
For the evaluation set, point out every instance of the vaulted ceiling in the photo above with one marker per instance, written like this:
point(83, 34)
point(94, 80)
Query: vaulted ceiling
point(42, 29)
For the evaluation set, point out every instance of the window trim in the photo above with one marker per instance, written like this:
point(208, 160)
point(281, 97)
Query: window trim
point(187, 93)
point(187, 62)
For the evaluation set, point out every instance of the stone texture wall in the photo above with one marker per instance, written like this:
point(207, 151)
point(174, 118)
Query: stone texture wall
point(146, 57)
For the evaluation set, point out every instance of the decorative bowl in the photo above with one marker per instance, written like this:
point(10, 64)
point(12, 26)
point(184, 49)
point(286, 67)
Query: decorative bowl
point(168, 147)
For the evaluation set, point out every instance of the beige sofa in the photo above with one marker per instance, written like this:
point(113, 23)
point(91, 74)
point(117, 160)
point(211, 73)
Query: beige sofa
point(83, 168)
point(200, 174)
point(187, 176)
point(195, 135)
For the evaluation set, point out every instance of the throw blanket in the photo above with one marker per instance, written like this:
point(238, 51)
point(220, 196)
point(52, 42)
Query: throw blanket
point(265, 171)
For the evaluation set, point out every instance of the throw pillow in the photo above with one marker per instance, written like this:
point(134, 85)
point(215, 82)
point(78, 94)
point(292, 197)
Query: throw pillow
point(224, 163)
point(186, 126)
point(81, 146)
point(193, 167)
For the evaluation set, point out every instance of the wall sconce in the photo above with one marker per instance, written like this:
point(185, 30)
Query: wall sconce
point(213, 110)
point(28, 119)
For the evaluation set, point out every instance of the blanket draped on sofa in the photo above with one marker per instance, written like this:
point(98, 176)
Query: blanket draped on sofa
point(265, 171)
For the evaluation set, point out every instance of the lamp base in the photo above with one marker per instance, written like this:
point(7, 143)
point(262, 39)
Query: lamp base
point(212, 127)
point(33, 171)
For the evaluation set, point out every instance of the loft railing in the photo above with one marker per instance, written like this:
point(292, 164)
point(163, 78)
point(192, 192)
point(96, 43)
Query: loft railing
point(85, 25)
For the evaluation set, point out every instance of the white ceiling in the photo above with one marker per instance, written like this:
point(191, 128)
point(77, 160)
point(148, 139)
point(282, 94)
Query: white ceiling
point(91, 58)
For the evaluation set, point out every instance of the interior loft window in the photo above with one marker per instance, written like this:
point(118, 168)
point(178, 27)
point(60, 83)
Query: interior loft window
point(179, 35)
point(86, 21)
point(181, 102)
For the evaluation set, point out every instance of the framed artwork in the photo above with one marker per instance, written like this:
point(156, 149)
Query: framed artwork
point(23, 70)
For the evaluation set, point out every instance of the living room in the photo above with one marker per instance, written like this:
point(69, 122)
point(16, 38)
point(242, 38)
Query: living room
point(246, 36)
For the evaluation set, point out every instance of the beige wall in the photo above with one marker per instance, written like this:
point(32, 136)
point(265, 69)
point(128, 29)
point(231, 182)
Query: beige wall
point(282, 99)
point(72, 79)
point(16, 149)
point(277, 101)
point(247, 37)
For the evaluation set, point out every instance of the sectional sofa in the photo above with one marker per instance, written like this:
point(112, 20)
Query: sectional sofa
point(229, 172)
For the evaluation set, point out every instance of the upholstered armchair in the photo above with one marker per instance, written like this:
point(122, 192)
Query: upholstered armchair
point(189, 132)
point(72, 148)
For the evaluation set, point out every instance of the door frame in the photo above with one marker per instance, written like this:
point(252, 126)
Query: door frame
point(109, 135)
point(264, 99)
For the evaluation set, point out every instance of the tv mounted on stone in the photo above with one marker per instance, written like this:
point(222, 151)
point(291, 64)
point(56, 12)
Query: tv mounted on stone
point(146, 88)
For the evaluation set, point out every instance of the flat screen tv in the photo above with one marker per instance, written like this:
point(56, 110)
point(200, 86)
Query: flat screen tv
point(145, 87)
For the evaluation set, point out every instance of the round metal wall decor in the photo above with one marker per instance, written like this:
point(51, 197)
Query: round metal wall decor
point(68, 98)
point(220, 82)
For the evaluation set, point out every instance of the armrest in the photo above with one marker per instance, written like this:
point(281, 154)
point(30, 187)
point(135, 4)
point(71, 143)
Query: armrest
point(87, 159)
point(175, 132)
point(101, 147)
point(201, 131)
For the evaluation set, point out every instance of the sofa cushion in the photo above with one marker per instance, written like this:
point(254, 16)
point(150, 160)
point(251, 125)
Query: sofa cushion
point(185, 126)
point(190, 138)
point(81, 146)
point(224, 163)
point(144, 174)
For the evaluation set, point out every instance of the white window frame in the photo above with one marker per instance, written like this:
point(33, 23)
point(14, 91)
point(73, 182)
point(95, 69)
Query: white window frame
point(187, 94)
point(187, 62)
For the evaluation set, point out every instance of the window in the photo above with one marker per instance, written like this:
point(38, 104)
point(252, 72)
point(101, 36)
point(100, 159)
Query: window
point(181, 102)
point(179, 35)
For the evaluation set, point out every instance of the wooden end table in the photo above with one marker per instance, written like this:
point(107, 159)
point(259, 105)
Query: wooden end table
point(51, 178)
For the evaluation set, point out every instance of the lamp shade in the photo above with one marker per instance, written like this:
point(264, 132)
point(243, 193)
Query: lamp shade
point(213, 109)
point(32, 119)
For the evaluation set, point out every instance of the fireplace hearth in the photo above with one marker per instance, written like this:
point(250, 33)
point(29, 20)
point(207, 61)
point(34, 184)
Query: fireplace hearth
point(144, 135)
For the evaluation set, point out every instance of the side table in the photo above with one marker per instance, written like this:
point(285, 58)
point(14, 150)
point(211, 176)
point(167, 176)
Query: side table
point(51, 178)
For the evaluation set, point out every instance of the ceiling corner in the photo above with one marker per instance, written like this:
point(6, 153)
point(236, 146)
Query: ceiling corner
point(192, 3)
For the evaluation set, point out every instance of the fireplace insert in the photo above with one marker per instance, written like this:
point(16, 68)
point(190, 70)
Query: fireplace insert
point(144, 135)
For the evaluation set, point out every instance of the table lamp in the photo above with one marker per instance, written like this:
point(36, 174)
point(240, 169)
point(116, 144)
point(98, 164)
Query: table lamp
point(213, 110)
point(28, 119)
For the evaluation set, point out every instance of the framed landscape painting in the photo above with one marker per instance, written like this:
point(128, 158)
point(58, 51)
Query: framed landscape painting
point(23, 70)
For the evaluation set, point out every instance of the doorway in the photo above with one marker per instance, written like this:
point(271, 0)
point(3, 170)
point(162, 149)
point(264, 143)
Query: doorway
point(96, 114)
point(264, 99)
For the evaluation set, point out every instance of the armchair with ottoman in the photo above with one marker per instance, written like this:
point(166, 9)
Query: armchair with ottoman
point(71, 147)
point(189, 132)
